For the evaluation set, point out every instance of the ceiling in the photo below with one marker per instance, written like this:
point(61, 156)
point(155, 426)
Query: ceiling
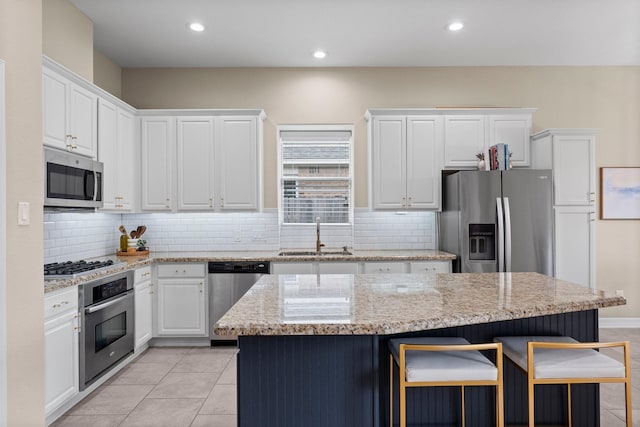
point(365, 33)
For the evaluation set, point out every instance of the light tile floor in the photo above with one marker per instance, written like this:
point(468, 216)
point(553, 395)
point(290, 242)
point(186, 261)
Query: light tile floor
point(196, 387)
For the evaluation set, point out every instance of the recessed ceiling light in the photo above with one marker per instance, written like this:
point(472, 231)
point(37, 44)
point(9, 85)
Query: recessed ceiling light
point(455, 26)
point(196, 26)
point(319, 54)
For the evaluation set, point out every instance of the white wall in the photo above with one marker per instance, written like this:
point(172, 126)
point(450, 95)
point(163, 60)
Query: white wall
point(3, 258)
point(21, 49)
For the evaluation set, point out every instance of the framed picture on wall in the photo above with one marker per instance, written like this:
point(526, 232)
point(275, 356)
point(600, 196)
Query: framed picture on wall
point(620, 193)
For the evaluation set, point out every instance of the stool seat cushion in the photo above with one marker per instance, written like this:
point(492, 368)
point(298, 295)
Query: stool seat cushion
point(560, 363)
point(441, 366)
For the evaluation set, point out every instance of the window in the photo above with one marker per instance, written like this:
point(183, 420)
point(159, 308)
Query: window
point(315, 174)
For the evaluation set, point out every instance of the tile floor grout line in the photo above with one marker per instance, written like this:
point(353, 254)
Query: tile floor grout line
point(154, 385)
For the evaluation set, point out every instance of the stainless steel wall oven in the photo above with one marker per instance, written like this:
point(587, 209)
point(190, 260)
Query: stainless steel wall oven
point(106, 334)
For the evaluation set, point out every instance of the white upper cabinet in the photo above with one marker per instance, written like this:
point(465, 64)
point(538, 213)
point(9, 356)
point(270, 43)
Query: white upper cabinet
point(388, 152)
point(467, 135)
point(571, 155)
point(464, 139)
point(157, 155)
point(69, 115)
point(213, 160)
point(239, 163)
point(404, 161)
point(196, 163)
point(424, 137)
point(117, 151)
point(514, 130)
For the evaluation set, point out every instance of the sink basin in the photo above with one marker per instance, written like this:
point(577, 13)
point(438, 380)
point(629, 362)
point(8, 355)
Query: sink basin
point(313, 253)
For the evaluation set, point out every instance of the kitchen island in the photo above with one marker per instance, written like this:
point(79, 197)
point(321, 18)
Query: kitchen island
point(313, 348)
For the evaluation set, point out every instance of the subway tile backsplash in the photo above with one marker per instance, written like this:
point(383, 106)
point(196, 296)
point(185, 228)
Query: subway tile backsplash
point(74, 236)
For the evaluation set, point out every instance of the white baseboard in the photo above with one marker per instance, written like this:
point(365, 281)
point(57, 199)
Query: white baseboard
point(620, 322)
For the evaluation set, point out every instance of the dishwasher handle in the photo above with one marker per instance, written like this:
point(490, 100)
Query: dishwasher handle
point(239, 267)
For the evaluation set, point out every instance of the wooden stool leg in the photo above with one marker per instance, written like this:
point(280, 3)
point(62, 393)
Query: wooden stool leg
point(628, 404)
point(531, 402)
point(500, 405)
point(569, 404)
point(403, 403)
point(463, 415)
point(390, 391)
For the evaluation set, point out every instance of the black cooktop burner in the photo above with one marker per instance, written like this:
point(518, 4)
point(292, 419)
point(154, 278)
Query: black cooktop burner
point(73, 269)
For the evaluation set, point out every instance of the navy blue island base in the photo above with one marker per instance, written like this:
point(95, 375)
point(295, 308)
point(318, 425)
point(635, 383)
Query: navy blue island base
point(343, 380)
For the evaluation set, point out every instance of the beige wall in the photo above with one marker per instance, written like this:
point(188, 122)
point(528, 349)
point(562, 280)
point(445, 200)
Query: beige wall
point(607, 98)
point(67, 36)
point(107, 74)
point(20, 20)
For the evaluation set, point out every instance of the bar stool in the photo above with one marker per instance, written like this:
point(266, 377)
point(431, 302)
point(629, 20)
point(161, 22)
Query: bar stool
point(563, 360)
point(444, 361)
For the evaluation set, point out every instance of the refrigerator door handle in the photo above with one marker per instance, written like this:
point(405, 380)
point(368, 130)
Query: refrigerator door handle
point(500, 234)
point(507, 235)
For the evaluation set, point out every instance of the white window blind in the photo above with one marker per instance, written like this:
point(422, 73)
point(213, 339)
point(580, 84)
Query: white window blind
point(316, 176)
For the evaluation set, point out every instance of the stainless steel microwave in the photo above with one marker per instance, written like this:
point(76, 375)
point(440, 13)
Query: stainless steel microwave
point(71, 181)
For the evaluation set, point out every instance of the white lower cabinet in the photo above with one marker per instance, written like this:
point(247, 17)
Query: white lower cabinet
point(60, 348)
point(181, 301)
point(575, 244)
point(353, 267)
point(430, 267)
point(383, 267)
point(314, 267)
point(143, 307)
point(292, 268)
point(337, 267)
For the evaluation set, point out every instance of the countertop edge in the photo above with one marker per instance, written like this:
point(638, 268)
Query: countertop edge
point(133, 263)
point(415, 326)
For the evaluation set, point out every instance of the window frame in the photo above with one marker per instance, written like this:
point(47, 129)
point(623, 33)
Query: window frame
point(319, 128)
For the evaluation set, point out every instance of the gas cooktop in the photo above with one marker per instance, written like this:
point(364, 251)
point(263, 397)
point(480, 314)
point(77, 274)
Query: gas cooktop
point(73, 269)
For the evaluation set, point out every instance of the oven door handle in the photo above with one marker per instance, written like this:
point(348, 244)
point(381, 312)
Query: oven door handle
point(99, 307)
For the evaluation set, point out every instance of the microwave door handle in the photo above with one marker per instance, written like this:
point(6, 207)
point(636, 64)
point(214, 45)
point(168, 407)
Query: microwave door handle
point(95, 186)
point(87, 176)
point(86, 184)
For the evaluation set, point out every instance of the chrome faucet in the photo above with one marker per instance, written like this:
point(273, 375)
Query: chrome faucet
point(319, 245)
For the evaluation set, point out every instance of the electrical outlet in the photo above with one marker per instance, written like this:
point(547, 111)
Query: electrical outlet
point(238, 236)
point(620, 293)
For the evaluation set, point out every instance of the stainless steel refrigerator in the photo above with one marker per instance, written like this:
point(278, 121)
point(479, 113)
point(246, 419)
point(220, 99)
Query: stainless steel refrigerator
point(498, 220)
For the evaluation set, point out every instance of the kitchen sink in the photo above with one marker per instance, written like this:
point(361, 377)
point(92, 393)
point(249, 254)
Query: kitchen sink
point(313, 253)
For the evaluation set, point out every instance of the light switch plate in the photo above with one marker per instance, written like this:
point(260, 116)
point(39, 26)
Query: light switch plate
point(24, 216)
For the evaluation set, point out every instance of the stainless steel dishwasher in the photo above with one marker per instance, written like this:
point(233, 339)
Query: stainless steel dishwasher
point(228, 282)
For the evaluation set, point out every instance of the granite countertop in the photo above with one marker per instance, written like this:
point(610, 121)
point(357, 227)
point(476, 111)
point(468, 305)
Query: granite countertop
point(133, 262)
point(371, 304)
